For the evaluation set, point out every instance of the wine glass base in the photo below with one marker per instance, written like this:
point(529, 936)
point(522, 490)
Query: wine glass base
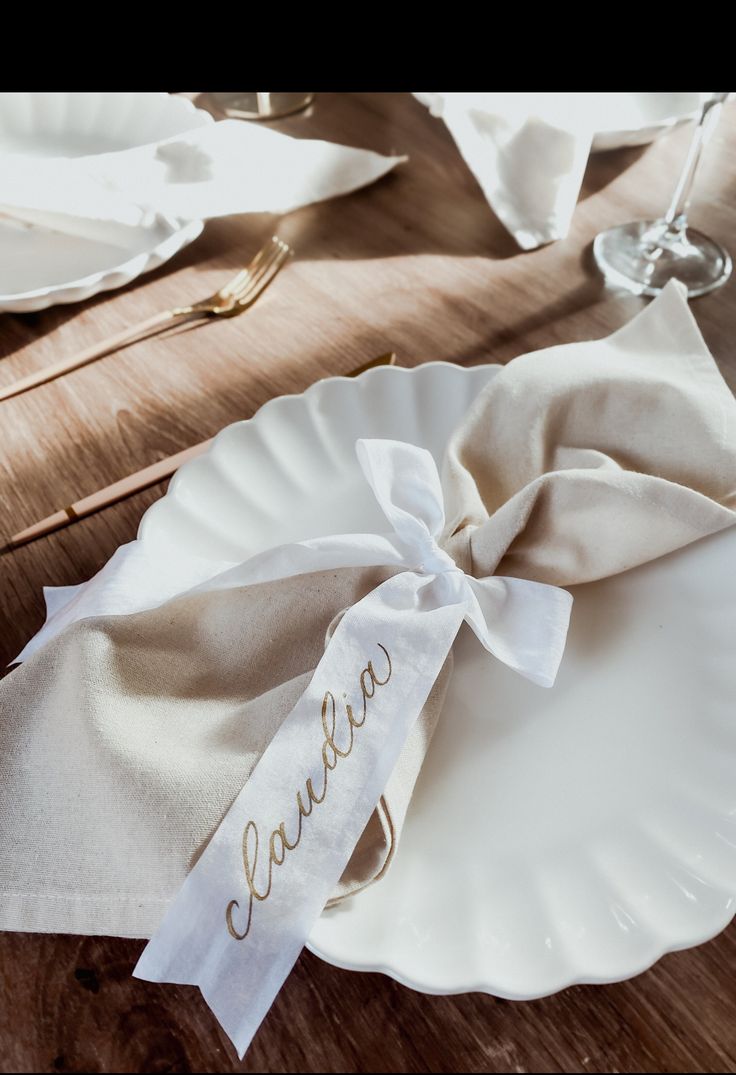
point(645, 255)
point(261, 106)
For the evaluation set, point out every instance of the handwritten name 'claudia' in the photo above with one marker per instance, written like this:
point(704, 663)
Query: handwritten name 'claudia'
point(279, 843)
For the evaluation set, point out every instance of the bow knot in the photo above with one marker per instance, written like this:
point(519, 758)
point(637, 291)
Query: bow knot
point(433, 560)
point(522, 623)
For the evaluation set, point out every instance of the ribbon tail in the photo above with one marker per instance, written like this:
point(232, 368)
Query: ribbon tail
point(138, 577)
point(240, 920)
point(522, 623)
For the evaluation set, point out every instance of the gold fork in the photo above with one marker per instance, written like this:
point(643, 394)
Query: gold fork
point(232, 299)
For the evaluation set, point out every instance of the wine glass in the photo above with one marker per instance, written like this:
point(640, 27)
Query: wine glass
point(644, 255)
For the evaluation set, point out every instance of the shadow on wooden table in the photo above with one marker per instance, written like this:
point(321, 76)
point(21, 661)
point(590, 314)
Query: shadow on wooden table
point(445, 215)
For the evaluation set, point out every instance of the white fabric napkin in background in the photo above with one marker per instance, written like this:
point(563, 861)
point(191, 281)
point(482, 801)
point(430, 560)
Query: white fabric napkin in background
point(528, 152)
point(216, 170)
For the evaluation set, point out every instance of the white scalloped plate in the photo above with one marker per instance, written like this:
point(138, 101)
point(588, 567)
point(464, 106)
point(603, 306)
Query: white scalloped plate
point(624, 119)
point(555, 837)
point(41, 268)
point(635, 119)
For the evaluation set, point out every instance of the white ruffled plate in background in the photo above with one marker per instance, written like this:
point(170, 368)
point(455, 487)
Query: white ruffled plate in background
point(634, 119)
point(41, 268)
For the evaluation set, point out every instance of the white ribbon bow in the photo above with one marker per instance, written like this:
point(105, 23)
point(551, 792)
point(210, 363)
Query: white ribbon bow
point(242, 916)
point(522, 623)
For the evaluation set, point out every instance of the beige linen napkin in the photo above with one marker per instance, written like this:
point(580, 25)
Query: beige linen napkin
point(587, 459)
point(125, 739)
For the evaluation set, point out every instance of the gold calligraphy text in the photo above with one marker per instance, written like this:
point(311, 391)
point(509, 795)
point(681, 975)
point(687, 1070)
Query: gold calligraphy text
point(334, 747)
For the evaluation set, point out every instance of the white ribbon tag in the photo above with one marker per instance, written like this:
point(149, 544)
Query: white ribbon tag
point(242, 916)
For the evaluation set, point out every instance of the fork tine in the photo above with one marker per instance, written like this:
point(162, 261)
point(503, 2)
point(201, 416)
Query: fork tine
point(265, 279)
point(264, 275)
point(276, 258)
point(269, 254)
point(254, 285)
point(232, 287)
point(237, 282)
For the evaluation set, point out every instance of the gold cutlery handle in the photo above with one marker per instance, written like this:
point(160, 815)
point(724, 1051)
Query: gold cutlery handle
point(234, 298)
point(125, 487)
point(157, 323)
point(111, 494)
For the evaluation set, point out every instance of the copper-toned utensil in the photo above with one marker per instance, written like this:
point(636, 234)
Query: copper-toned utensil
point(150, 475)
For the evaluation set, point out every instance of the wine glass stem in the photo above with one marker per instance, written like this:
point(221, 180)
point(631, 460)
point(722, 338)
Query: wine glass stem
point(676, 216)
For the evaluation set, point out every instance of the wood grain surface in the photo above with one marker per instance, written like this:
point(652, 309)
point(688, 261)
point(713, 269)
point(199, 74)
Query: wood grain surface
point(418, 264)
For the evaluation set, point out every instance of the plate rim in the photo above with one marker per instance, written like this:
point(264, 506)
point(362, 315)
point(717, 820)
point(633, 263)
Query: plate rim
point(313, 389)
point(490, 989)
point(116, 276)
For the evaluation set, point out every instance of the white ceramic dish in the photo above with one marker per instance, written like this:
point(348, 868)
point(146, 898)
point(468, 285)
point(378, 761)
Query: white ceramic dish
point(634, 119)
point(555, 837)
point(41, 268)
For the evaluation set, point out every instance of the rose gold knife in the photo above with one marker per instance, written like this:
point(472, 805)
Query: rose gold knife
point(150, 475)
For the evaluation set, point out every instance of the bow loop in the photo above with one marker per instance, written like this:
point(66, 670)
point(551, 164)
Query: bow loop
point(522, 623)
point(406, 484)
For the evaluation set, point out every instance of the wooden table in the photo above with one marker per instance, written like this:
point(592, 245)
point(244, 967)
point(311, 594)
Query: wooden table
point(416, 263)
